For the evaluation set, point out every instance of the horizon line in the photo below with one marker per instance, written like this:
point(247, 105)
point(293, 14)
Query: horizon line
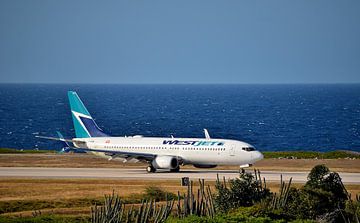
point(285, 83)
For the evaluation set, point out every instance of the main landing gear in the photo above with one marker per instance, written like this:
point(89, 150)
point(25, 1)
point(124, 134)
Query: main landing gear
point(150, 169)
point(176, 170)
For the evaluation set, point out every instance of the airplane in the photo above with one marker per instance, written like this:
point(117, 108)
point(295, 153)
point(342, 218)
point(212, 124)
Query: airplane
point(160, 153)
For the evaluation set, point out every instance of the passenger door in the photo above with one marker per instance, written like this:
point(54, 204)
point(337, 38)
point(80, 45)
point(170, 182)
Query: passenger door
point(232, 150)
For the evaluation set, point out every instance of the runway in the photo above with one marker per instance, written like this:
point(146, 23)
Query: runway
point(137, 173)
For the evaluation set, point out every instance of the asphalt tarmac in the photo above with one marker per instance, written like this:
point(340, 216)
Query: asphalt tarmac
point(141, 174)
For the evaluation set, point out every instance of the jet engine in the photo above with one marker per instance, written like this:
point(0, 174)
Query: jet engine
point(165, 162)
point(204, 166)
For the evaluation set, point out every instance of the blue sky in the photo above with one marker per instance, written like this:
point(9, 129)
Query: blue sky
point(277, 41)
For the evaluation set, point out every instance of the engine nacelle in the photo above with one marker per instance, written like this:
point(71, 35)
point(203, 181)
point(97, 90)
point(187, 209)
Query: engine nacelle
point(204, 166)
point(165, 162)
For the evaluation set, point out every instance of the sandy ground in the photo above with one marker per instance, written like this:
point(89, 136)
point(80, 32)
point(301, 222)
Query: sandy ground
point(90, 161)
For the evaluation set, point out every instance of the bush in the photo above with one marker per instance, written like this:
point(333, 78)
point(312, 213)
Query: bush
point(242, 191)
point(321, 180)
point(158, 194)
point(322, 196)
point(243, 214)
point(352, 209)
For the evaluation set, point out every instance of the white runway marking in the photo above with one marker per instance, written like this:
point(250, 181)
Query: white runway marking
point(125, 173)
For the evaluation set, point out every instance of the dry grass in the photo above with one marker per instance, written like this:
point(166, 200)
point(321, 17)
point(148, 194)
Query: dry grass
point(83, 211)
point(92, 161)
point(338, 165)
point(72, 196)
point(50, 189)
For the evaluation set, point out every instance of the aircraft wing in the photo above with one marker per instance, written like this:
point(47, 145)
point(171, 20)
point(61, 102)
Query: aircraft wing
point(111, 153)
point(122, 154)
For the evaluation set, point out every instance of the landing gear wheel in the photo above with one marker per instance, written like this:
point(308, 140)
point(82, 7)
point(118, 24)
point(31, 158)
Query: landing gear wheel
point(176, 170)
point(150, 169)
point(242, 170)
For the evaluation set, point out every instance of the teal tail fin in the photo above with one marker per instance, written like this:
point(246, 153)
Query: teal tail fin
point(84, 124)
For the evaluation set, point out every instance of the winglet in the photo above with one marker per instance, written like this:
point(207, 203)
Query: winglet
point(207, 136)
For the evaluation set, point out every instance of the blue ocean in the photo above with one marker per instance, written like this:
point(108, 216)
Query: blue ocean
point(270, 117)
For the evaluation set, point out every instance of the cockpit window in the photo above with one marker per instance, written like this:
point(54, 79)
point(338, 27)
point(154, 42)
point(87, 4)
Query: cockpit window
point(248, 149)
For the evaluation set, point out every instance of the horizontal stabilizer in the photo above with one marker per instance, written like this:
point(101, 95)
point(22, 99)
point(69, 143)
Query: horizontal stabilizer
point(60, 139)
point(66, 144)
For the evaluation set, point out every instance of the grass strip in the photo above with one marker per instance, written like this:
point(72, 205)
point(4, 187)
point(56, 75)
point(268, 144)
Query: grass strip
point(31, 205)
point(25, 151)
point(152, 193)
point(44, 219)
point(339, 154)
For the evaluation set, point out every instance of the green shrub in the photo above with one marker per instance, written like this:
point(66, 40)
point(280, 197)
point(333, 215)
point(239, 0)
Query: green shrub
point(232, 218)
point(352, 209)
point(238, 192)
point(321, 180)
point(158, 194)
point(323, 195)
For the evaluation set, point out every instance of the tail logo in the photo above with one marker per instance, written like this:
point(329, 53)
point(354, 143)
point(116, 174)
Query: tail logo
point(80, 119)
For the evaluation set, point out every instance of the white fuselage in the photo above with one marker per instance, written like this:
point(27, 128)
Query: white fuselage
point(190, 150)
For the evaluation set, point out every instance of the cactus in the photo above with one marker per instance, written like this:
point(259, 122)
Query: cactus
point(36, 213)
point(113, 211)
point(280, 200)
point(201, 205)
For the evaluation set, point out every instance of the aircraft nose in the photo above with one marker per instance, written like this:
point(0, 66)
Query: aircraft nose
point(258, 156)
